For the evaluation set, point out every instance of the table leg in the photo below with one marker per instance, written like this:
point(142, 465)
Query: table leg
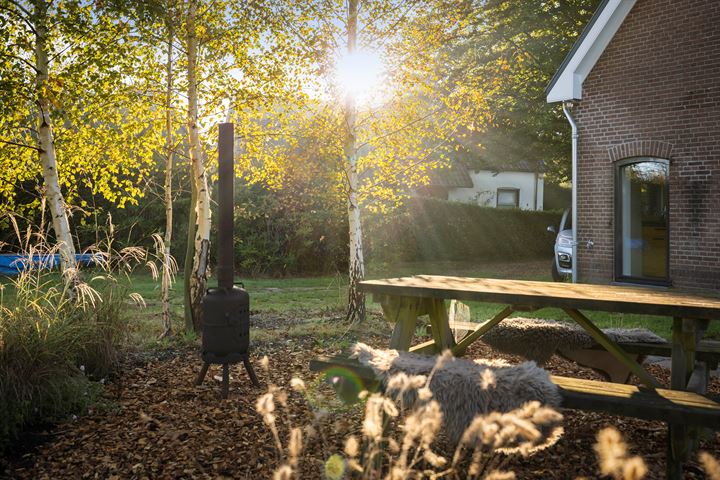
point(459, 349)
point(403, 311)
point(677, 451)
point(441, 332)
point(612, 347)
point(682, 440)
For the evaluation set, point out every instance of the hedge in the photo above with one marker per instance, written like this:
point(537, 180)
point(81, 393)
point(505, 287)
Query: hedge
point(432, 229)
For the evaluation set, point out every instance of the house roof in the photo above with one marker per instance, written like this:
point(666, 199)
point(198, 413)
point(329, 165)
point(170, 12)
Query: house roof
point(567, 82)
point(458, 176)
point(455, 177)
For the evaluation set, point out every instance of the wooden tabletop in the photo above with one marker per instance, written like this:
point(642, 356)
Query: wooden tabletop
point(608, 298)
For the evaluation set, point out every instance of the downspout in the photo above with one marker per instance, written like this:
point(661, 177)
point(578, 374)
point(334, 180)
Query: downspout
point(566, 110)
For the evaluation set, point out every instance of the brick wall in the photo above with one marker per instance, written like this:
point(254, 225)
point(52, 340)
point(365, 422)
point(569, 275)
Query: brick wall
point(655, 92)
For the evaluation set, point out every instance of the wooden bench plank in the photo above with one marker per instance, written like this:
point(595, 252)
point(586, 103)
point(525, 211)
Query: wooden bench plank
point(670, 406)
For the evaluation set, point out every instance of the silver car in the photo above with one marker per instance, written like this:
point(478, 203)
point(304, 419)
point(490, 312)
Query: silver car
point(562, 262)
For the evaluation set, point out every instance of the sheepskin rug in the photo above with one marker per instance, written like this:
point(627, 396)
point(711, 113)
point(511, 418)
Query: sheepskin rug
point(464, 388)
point(538, 339)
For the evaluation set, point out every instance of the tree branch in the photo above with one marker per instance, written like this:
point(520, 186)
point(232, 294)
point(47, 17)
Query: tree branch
point(8, 142)
point(21, 59)
point(21, 17)
point(400, 129)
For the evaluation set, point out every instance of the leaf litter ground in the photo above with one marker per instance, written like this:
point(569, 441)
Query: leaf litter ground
point(160, 425)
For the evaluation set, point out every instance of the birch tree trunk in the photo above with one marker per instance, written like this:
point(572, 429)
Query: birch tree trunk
point(167, 259)
point(189, 255)
point(198, 278)
point(46, 151)
point(356, 298)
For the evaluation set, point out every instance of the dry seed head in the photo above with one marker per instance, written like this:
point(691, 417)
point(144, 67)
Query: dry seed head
point(423, 423)
point(611, 451)
point(297, 384)
point(398, 382)
point(372, 423)
point(295, 443)
point(352, 446)
point(498, 475)
point(265, 405)
point(711, 465)
point(393, 445)
point(283, 473)
point(389, 407)
point(354, 465)
point(397, 473)
point(424, 394)
point(434, 459)
point(634, 469)
point(417, 381)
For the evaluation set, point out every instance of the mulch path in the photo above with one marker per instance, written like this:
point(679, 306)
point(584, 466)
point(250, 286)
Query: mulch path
point(163, 426)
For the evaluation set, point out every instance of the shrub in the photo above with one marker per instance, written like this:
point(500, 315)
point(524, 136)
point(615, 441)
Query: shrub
point(276, 234)
point(53, 343)
point(431, 229)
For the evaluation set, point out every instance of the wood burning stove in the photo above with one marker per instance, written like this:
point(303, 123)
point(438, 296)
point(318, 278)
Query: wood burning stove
point(226, 309)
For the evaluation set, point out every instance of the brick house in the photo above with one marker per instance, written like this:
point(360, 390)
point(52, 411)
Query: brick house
point(642, 86)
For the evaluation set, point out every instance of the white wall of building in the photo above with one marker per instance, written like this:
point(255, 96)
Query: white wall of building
point(486, 184)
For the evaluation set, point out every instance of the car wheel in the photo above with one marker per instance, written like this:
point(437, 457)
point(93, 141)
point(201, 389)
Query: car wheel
point(556, 276)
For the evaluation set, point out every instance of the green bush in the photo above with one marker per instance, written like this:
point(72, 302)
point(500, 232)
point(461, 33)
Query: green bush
point(432, 229)
point(277, 233)
point(52, 345)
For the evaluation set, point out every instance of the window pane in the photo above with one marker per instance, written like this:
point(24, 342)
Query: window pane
point(507, 198)
point(643, 220)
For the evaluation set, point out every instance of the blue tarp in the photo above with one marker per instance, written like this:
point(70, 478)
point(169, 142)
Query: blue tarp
point(12, 264)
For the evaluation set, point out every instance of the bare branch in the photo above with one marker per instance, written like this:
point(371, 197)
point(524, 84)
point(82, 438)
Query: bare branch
point(16, 144)
point(21, 59)
point(24, 20)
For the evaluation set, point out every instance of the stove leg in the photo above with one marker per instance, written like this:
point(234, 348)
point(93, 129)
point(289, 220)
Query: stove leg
point(201, 375)
point(251, 371)
point(226, 380)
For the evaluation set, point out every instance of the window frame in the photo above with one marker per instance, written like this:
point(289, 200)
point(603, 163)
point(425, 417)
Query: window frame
point(516, 191)
point(618, 254)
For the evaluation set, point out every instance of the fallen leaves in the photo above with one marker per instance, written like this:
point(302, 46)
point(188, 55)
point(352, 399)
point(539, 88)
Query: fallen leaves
point(164, 426)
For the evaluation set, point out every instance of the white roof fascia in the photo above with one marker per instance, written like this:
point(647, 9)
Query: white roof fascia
point(568, 85)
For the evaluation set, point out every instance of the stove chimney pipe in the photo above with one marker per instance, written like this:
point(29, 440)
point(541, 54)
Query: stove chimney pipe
point(226, 190)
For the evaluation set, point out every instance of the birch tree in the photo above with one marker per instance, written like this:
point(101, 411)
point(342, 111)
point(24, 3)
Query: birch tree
point(356, 298)
point(240, 59)
point(46, 145)
point(66, 102)
point(386, 144)
point(198, 278)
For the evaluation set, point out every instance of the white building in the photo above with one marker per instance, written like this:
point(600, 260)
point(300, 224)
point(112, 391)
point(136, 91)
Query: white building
point(501, 189)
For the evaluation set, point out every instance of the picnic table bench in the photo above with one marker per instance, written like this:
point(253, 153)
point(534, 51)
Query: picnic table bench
point(682, 406)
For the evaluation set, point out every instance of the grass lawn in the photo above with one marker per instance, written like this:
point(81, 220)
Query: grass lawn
point(314, 299)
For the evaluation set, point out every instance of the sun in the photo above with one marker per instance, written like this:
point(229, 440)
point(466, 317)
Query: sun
point(360, 75)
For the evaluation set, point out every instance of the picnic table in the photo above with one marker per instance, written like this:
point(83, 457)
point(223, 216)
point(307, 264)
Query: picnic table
point(404, 299)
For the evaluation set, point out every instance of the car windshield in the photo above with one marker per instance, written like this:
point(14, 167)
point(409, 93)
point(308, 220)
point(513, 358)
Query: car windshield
point(566, 222)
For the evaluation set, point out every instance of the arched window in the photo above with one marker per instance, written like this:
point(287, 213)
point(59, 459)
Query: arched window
point(641, 220)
